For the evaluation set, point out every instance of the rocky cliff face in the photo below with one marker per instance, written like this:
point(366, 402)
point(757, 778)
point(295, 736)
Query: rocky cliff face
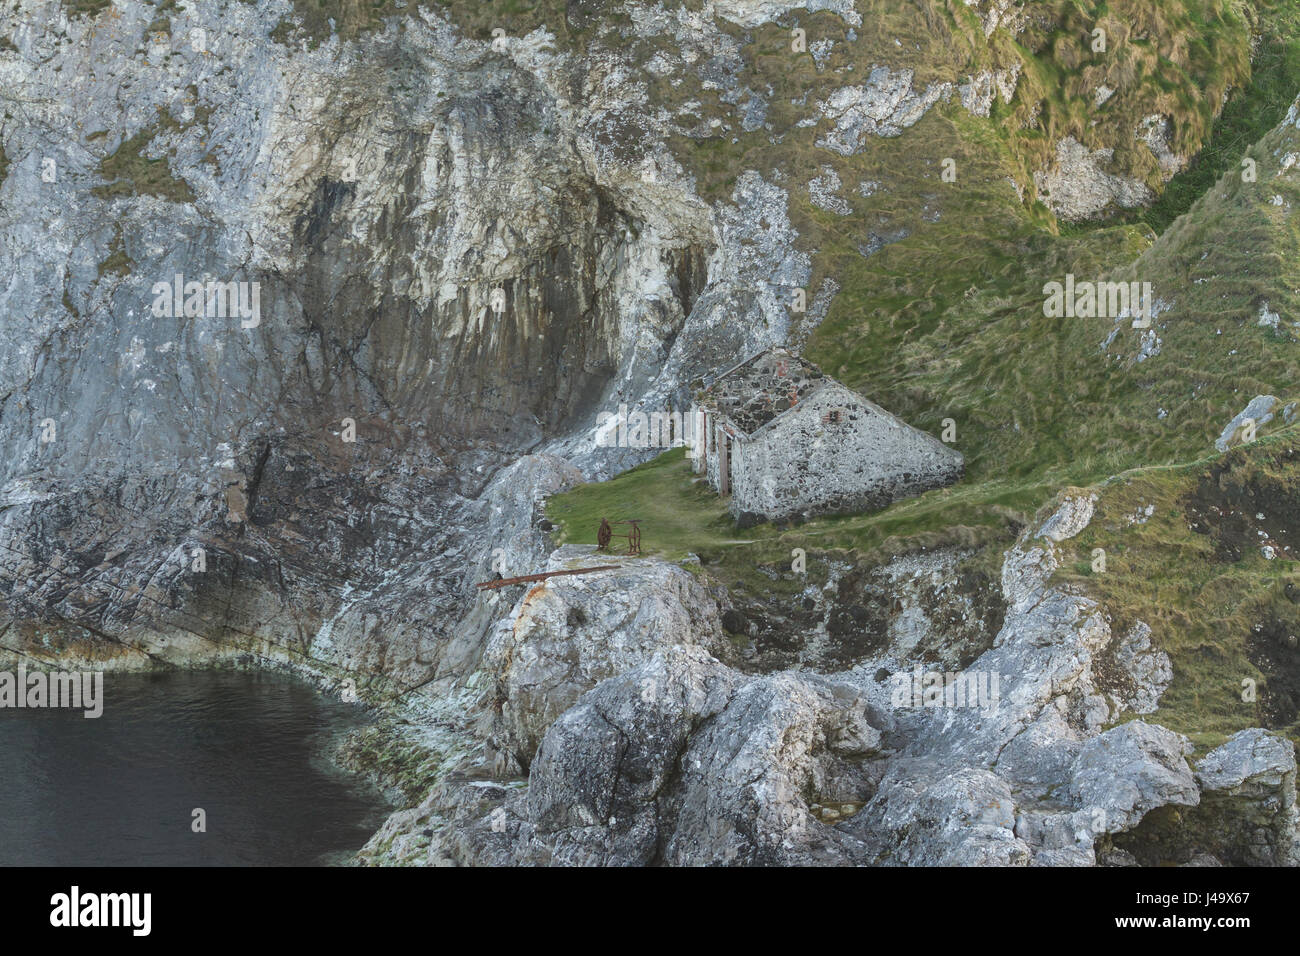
point(647, 748)
point(457, 259)
point(462, 245)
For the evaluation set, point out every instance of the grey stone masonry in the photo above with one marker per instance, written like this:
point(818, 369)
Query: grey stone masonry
point(785, 440)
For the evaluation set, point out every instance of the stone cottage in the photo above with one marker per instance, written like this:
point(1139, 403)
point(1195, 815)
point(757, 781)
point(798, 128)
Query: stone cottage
point(783, 440)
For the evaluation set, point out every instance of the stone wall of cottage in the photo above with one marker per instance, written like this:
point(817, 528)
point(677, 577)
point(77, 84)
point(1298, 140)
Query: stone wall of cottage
point(807, 462)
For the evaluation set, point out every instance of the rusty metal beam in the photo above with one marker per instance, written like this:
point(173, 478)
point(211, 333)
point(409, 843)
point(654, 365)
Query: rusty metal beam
point(523, 578)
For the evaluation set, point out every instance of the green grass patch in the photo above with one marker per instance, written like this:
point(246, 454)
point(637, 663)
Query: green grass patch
point(78, 9)
point(129, 171)
point(1197, 577)
point(681, 514)
point(118, 262)
point(1252, 111)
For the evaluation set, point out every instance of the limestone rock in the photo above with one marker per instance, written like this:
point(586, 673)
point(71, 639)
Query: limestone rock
point(1259, 410)
point(1148, 668)
point(1130, 770)
point(1078, 186)
point(684, 761)
point(567, 634)
point(1248, 812)
point(884, 106)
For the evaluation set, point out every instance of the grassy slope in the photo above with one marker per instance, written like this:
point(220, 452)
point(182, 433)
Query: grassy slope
point(1250, 114)
point(1234, 250)
point(1224, 618)
point(948, 323)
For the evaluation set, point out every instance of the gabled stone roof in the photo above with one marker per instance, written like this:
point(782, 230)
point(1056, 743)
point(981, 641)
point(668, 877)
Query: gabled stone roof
point(762, 388)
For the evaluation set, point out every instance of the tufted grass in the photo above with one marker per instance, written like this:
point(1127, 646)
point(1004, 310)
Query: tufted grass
point(128, 170)
point(947, 323)
point(1203, 607)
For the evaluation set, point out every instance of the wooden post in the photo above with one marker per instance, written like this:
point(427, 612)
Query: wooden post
point(735, 459)
point(697, 439)
point(724, 486)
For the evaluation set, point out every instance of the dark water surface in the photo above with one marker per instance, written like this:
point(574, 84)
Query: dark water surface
point(251, 749)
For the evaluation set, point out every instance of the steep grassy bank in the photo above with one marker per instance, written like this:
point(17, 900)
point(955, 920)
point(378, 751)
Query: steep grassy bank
point(945, 320)
point(1205, 554)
